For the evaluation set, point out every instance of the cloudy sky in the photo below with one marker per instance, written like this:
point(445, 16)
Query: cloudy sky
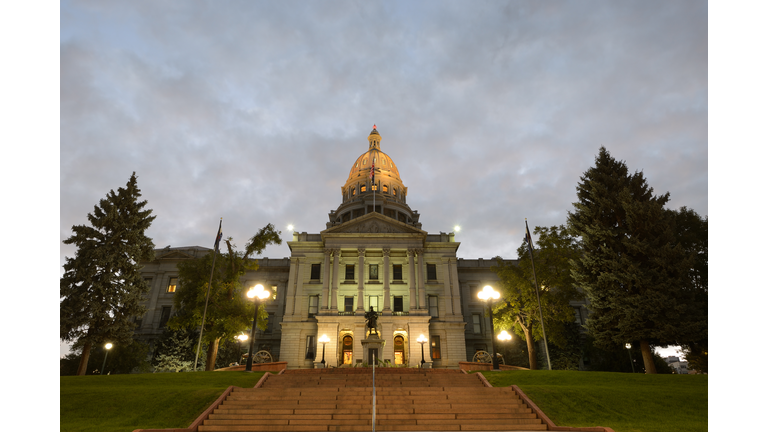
point(254, 112)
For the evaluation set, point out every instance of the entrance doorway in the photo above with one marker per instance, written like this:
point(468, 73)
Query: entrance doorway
point(346, 349)
point(399, 350)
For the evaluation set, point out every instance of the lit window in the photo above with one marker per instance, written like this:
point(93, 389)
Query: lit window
point(172, 285)
point(362, 188)
point(274, 292)
point(373, 273)
point(365, 161)
point(394, 191)
point(435, 351)
point(384, 188)
point(354, 191)
point(373, 302)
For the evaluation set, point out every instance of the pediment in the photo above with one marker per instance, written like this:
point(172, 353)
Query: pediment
point(373, 223)
point(173, 255)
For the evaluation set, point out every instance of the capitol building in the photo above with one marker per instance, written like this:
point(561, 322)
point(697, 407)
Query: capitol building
point(372, 254)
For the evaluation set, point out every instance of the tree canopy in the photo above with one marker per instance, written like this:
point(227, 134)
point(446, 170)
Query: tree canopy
point(519, 308)
point(229, 311)
point(634, 270)
point(102, 287)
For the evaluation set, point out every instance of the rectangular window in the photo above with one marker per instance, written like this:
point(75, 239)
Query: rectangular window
point(373, 272)
point(349, 304)
point(313, 302)
point(435, 348)
point(270, 323)
point(397, 272)
point(165, 315)
point(310, 349)
point(476, 324)
point(172, 285)
point(350, 272)
point(315, 272)
point(362, 188)
point(373, 302)
point(431, 272)
point(433, 306)
point(398, 306)
point(274, 292)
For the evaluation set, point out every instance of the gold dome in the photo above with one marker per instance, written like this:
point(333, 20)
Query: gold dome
point(382, 163)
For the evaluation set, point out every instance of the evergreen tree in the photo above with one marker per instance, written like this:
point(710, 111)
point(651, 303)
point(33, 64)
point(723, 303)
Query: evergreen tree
point(519, 309)
point(229, 310)
point(102, 286)
point(632, 269)
point(175, 351)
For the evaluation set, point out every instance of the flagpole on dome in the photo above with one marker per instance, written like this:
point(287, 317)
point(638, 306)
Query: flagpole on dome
point(373, 180)
point(207, 294)
point(538, 299)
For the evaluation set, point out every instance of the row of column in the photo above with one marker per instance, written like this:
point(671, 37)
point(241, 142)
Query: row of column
point(414, 290)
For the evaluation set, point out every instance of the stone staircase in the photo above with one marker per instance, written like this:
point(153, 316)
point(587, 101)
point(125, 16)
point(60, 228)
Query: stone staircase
point(339, 400)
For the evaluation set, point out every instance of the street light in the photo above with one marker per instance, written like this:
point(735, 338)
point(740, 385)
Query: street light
point(256, 293)
point(324, 340)
point(422, 340)
point(488, 294)
point(240, 338)
point(504, 336)
point(628, 346)
point(108, 346)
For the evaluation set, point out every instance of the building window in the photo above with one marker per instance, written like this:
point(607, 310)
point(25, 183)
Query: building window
point(350, 272)
point(349, 304)
point(313, 302)
point(315, 272)
point(394, 191)
point(310, 350)
point(431, 272)
point(384, 188)
point(362, 188)
point(172, 285)
point(373, 302)
point(373, 272)
point(435, 351)
point(274, 292)
point(270, 323)
point(354, 191)
point(433, 306)
point(398, 304)
point(165, 315)
point(399, 350)
point(397, 272)
point(476, 324)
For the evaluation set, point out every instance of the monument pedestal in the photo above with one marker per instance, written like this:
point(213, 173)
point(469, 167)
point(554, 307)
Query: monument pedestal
point(372, 345)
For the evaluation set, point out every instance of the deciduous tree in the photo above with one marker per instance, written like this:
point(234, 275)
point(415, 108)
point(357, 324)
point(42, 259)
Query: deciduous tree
point(519, 308)
point(229, 311)
point(102, 286)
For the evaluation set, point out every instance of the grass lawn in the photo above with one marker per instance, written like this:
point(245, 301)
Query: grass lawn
point(625, 402)
point(127, 402)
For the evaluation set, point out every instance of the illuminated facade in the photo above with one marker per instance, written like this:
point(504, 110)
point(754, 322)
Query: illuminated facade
point(370, 255)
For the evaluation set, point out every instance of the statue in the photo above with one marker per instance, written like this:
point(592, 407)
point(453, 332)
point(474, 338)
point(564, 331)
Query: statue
point(370, 320)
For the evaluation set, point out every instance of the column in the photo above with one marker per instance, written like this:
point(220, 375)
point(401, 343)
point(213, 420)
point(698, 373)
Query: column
point(386, 310)
point(299, 288)
point(455, 277)
point(447, 285)
point(326, 276)
point(360, 279)
point(291, 297)
point(335, 281)
point(422, 288)
point(412, 279)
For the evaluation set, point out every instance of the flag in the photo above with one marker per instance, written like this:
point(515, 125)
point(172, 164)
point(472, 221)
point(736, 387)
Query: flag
point(528, 237)
point(218, 238)
point(371, 176)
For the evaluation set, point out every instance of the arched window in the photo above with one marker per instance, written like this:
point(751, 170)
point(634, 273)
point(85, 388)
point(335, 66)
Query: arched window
point(399, 350)
point(347, 349)
point(354, 191)
point(394, 191)
point(362, 188)
point(384, 188)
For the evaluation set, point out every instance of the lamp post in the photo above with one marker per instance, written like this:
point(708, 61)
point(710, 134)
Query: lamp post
point(108, 346)
point(256, 293)
point(628, 346)
point(240, 338)
point(422, 340)
point(488, 294)
point(504, 336)
point(324, 340)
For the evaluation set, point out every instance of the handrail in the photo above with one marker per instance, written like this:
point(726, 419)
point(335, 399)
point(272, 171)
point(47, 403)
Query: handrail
point(373, 423)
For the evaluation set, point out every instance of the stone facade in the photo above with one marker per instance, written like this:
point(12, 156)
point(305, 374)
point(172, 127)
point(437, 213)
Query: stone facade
point(373, 253)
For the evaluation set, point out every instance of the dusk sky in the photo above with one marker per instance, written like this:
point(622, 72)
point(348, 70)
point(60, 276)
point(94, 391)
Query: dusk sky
point(254, 112)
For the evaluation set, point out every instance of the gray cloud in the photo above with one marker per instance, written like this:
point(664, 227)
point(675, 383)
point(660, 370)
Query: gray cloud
point(255, 111)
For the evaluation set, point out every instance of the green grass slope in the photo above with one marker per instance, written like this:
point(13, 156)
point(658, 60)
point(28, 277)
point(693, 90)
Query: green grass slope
point(622, 401)
point(122, 403)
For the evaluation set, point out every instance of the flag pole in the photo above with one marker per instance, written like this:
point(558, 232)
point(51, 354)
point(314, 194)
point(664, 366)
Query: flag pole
point(538, 299)
point(208, 293)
